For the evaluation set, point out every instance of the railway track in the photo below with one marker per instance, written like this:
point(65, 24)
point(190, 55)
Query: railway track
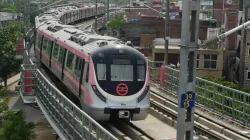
point(165, 110)
point(126, 130)
point(121, 129)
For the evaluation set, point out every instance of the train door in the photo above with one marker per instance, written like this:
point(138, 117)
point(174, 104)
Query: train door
point(45, 57)
point(120, 79)
point(38, 45)
point(48, 51)
point(79, 14)
point(61, 60)
point(83, 13)
point(85, 78)
point(87, 12)
point(71, 17)
point(78, 72)
point(68, 71)
point(54, 60)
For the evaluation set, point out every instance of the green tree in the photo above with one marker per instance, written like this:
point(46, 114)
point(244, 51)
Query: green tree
point(224, 82)
point(7, 7)
point(13, 125)
point(116, 24)
point(8, 36)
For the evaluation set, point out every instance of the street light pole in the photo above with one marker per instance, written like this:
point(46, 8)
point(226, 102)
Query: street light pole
point(187, 75)
point(107, 17)
point(96, 15)
point(166, 31)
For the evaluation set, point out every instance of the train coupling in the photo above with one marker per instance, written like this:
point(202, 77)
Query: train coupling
point(124, 114)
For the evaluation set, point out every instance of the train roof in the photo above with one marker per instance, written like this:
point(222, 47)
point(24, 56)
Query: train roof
point(58, 12)
point(70, 35)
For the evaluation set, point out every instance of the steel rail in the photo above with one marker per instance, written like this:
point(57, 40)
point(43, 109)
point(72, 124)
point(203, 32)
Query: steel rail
point(173, 115)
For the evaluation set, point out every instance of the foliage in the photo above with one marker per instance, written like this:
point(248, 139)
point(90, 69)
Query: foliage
point(116, 23)
point(19, 4)
point(34, 12)
point(7, 7)
point(224, 82)
point(8, 10)
point(18, 7)
point(13, 125)
point(3, 101)
point(210, 14)
point(8, 36)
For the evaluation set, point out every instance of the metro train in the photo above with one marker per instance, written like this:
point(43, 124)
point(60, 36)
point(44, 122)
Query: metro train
point(108, 77)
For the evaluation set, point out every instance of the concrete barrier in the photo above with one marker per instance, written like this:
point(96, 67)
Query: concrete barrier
point(144, 138)
point(168, 120)
point(203, 138)
point(233, 136)
point(221, 135)
point(117, 132)
point(210, 125)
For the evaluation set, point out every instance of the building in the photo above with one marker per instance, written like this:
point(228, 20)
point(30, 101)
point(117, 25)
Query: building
point(138, 3)
point(244, 68)
point(206, 10)
point(209, 61)
point(6, 18)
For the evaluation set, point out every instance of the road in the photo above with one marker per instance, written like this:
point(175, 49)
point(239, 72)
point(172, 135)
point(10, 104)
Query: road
point(32, 113)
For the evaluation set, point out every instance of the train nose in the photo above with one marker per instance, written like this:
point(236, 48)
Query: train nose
point(124, 114)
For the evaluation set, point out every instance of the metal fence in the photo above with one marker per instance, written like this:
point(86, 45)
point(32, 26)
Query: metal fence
point(65, 117)
point(154, 70)
point(73, 123)
point(27, 90)
point(225, 101)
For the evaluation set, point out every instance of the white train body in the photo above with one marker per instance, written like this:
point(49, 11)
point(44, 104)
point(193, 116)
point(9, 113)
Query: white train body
point(107, 77)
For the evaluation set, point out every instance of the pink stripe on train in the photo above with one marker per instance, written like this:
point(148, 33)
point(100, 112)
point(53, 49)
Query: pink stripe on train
point(88, 99)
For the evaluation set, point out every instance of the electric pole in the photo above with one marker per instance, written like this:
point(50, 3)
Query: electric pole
point(107, 17)
point(96, 15)
point(187, 75)
point(26, 17)
point(166, 31)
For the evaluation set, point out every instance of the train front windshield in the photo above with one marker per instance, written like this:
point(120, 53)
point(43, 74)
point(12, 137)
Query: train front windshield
point(114, 71)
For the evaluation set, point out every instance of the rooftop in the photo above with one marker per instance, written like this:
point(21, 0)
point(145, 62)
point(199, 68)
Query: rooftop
point(8, 16)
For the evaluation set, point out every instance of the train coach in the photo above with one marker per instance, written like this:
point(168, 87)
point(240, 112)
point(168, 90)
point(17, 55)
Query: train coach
point(107, 77)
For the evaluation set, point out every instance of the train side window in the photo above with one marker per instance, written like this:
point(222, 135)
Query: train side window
point(141, 70)
point(45, 43)
point(61, 54)
point(55, 51)
point(70, 60)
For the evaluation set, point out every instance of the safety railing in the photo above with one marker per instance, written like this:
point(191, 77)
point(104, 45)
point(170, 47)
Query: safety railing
point(72, 122)
point(30, 37)
point(27, 90)
point(20, 48)
point(154, 70)
point(225, 101)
